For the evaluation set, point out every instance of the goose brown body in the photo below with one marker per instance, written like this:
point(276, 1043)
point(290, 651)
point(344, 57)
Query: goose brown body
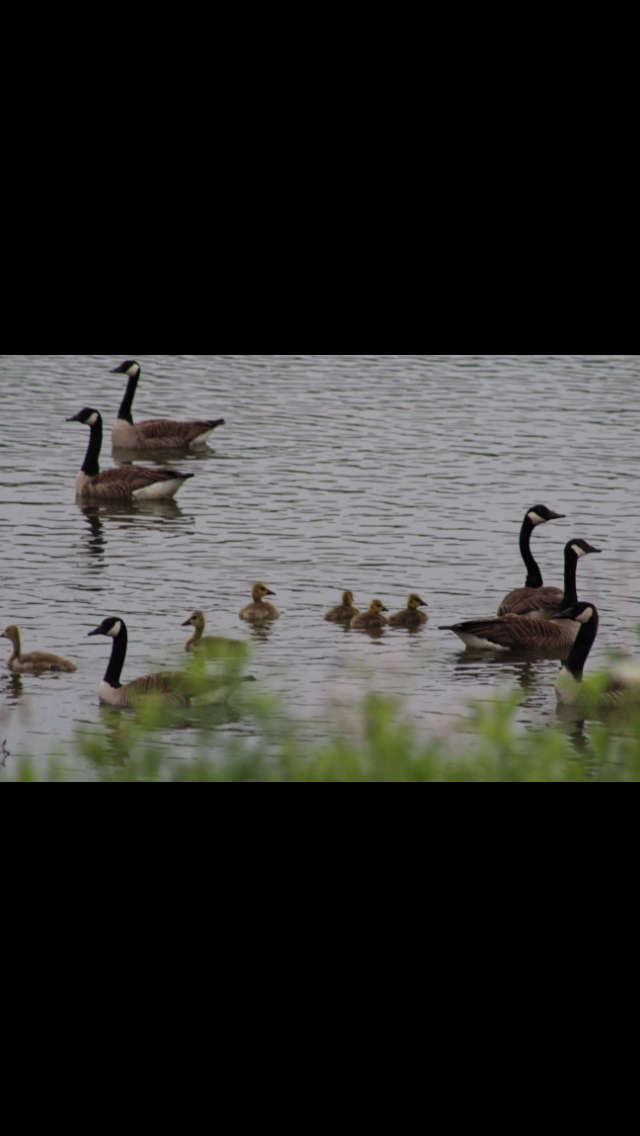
point(155, 433)
point(34, 662)
point(260, 611)
point(371, 620)
point(411, 618)
point(345, 612)
point(209, 644)
point(125, 483)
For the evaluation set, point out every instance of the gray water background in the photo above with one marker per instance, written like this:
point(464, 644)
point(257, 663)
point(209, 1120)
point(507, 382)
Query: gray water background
point(380, 473)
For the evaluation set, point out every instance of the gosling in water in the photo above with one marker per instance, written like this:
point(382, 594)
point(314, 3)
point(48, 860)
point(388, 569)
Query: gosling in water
point(209, 644)
point(260, 611)
point(411, 618)
point(36, 662)
point(371, 620)
point(345, 612)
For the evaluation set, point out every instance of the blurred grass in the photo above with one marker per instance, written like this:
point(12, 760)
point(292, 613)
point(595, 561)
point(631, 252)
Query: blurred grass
point(375, 740)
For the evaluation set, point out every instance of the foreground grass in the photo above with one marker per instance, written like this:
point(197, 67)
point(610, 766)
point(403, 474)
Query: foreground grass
point(375, 744)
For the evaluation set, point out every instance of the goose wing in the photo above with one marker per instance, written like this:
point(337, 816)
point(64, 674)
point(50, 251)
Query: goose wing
point(170, 688)
point(176, 434)
point(122, 482)
point(518, 633)
point(532, 601)
point(41, 661)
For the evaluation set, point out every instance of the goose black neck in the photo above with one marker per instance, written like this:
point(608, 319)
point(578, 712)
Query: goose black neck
point(127, 402)
point(570, 578)
point(534, 579)
point(582, 647)
point(116, 662)
point(92, 461)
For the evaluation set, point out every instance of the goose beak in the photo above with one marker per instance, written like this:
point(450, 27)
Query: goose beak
point(76, 418)
point(423, 604)
point(98, 631)
point(557, 516)
point(187, 624)
point(270, 593)
point(594, 549)
point(117, 370)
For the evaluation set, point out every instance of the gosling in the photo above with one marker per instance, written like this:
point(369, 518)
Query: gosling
point(371, 620)
point(210, 644)
point(260, 611)
point(36, 662)
point(345, 612)
point(411, 618)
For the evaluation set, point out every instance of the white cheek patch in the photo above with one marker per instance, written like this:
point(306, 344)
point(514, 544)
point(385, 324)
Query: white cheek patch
point(135, 370)
point(536, 519)
point(578, 551)
point(586, 616)
point(92, 421)
point(115, 631)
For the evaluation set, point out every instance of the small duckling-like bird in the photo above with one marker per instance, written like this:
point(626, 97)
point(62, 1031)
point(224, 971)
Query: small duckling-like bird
point(156, 433)
point(35, 662)
point(345, 612)
point(411, 618)
point(621, 688)
point(126, 483)
point(209, 644)
point(260, 611)
point(371, 620)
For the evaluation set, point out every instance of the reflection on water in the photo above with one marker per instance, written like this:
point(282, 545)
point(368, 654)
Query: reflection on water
point(320, 487)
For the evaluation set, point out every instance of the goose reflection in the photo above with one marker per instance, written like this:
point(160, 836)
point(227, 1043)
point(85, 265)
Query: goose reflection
point(531, 674)
point(159, 457)
point(13, 684)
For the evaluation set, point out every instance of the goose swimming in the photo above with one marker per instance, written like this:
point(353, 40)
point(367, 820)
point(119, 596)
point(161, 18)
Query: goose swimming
point(371, 620)
point(260, 611)
point(34, 662)
point(155, 433)
point(125, 483)
point(345, 612)
point(520, 632)
point(209, 644)
point(622, 687)
point(411, 618)
point(534, 599)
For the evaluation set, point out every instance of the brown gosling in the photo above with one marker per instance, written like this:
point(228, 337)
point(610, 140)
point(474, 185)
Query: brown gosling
point(345, 612)
point(411, 618)
point(371, 620)
point(36, 662)
point(210, 644)
point(260, 611)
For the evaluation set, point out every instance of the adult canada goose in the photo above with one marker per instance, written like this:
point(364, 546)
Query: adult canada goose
point(35, 662)
point(520, 632)
point(209, 644)
point(411, 618)
point(156, 433)
point(620, 688)
point(371, 620)
point(260, 611)
point(126, 483)
point(345, 612)
point(170, 688)
point(534, 599)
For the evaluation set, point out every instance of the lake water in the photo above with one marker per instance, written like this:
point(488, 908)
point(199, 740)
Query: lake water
point(380, 473)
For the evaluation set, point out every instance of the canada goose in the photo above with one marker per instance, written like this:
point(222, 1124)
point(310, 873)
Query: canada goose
point(520, 632)
point(260, 611)
point(127, 483)
point(345, 612)
point(371, 620)
point(534, 599)
point(622, 686)
point(35, 662)
point(210, 644)
point(411, 617)
point(169, 688)
point(156, 433)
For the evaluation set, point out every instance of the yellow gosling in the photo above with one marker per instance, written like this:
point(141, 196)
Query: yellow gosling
point(371, 620)
point(260, 611)
point(345, 612)
point(35, 662)
point(208, 644)
point(411, 618)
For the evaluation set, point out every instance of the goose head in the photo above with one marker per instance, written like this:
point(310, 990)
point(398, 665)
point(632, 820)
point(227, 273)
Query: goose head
point(581, 548)
point(87, 417)
point(259, 591)
point(540, 515)
point(415, 601)
point(580, 613)
point(13, 635)
point(376, 607)
point(130, 368)
point(113, 628)
point(347, 599)
point(197, 620)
